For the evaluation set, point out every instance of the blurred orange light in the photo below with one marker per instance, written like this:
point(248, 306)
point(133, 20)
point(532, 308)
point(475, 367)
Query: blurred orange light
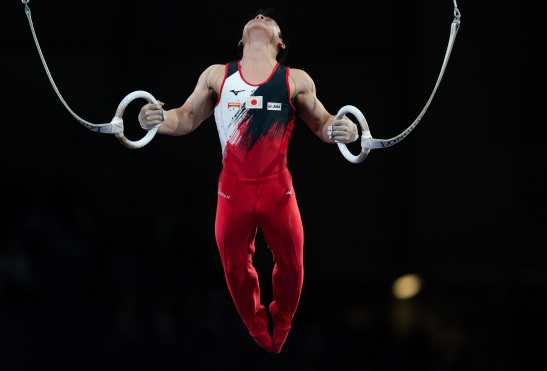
point(407, 286)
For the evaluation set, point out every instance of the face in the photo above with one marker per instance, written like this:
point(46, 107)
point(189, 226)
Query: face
point(266, 25)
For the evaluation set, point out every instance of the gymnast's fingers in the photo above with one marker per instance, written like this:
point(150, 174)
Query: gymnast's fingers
point(154, 116)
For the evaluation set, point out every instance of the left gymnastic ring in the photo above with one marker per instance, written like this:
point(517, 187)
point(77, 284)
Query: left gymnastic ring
point(118, 120)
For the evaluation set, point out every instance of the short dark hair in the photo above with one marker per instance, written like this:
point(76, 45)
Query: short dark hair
point(279, 18)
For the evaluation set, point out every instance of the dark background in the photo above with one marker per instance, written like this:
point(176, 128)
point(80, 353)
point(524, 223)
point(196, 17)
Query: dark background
point(108, 257)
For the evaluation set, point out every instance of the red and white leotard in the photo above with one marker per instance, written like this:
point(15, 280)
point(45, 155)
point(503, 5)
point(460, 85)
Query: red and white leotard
point(255, 123)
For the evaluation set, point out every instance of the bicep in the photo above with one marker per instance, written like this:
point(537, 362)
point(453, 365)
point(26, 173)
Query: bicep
point(201, 102)
point(310, 108)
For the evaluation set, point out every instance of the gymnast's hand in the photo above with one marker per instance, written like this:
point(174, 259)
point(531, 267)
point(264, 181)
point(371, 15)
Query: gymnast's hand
point(151, 115)
point(343, 131)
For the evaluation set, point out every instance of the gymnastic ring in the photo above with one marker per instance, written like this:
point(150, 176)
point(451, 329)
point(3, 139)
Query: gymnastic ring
point(118, 120)
point(365, 135)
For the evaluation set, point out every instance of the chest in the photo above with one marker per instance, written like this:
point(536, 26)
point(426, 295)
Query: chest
point(237, 90)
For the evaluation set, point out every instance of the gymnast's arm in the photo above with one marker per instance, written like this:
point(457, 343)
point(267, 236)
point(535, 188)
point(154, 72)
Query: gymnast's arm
point(309, 108)
point(198, 107)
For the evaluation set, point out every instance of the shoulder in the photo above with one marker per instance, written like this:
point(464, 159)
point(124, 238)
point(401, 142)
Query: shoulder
point(299, 75)
point(212, 76)
point(301, 81)
point(214, 72)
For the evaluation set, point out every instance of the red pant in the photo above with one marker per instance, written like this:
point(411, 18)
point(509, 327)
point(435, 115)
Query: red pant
point(243, 206)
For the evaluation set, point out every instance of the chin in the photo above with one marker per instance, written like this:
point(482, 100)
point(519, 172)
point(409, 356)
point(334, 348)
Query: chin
point(258, 26)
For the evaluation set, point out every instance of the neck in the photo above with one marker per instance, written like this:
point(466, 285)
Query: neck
point(258, 53)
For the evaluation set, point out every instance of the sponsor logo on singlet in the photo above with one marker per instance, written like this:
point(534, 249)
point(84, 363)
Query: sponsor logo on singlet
point(236, 92)
point(234, 105)
point(272, 106)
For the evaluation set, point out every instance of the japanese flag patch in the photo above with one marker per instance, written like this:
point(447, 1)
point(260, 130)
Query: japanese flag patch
point(254, 102)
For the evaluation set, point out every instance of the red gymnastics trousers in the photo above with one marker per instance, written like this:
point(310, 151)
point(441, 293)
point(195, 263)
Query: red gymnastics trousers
point(269, 203)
